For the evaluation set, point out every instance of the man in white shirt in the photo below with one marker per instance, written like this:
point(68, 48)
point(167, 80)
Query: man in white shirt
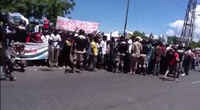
point(45, 38)
point(55, 38)
point(54, 48)
point(130, 42)
point(36, 28)
point(103, 46)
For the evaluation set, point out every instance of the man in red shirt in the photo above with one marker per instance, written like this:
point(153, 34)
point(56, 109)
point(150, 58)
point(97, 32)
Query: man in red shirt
point(175, 58)
point(46, 24)
point(172, 64)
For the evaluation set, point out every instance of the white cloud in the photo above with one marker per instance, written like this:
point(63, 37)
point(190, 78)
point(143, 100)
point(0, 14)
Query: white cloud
point(197, 24)
point(170, 32)
point(156, 36)
point(178, 24)
point(176, 27)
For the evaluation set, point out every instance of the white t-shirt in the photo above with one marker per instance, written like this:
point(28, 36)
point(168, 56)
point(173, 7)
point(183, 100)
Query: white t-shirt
point(168, 48)
point(56, 38)
point(103, 45)
point(37, 28)
point(82, 37)
point(45, 38)
point(130, 42)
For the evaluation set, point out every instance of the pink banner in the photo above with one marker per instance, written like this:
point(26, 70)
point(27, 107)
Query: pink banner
point(75, 25)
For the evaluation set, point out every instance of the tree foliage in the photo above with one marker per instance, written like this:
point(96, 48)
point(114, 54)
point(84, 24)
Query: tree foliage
point(38, 8)
point(138, 33)
point(176, 40)
point(195, 44)
point(172, 39)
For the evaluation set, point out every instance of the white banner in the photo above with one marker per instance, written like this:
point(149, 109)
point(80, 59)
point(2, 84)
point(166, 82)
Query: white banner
point(75, 25)
point(35, 51)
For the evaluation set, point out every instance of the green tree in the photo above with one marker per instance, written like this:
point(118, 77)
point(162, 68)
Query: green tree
point(172, 39)
point(38, 8)
point(137, 33)
point(195, 44)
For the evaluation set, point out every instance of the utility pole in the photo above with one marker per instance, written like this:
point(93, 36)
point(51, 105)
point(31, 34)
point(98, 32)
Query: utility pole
point(126, 17)
point(188, 26)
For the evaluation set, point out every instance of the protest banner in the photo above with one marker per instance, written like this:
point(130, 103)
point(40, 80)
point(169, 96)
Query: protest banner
point(75, 25)
point(34, 51)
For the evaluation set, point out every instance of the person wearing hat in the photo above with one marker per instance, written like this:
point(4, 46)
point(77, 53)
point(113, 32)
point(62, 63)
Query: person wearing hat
point(136, 51)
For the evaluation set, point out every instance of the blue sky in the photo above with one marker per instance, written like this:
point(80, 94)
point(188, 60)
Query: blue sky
point(144, 15)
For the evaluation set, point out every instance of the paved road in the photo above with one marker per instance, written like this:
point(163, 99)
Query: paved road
point(54, 90)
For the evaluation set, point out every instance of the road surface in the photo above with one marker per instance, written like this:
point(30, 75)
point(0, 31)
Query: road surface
point(54, 90)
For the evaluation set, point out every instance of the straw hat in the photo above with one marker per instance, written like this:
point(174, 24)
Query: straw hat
point(139, 38)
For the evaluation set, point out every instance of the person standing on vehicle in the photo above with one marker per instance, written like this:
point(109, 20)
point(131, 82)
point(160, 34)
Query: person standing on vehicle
point(46, 25)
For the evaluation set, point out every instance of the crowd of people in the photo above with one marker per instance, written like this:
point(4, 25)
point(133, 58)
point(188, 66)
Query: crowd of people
point(79, 51)
point(128, 55)
point(135, 55)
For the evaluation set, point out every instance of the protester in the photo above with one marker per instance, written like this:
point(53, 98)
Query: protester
point(112, 55)
point(136, 50)
point(172, 62)
point(37, 27)
point(158, 55)
point(1, 53)
point(80, 49)
point(68, 54)
point(54, 40)
point(187, 61)
point(94, 48)
point(46, 24)
point(122, 49)
point(6, 66)
point(103, 49)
